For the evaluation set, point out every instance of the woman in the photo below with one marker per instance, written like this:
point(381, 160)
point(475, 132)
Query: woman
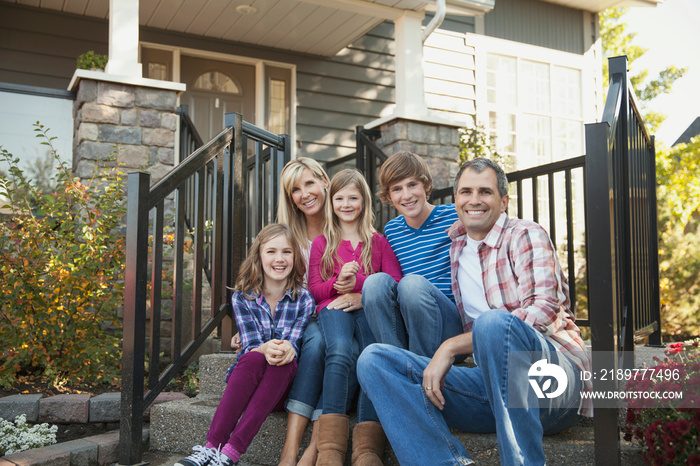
point(301, 207)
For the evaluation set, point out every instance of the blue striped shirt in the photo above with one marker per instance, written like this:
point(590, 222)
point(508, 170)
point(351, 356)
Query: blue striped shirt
point(256, 325)
point(425, 251)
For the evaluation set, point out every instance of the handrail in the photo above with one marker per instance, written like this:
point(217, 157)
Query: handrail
point(203, 198)
point(623, 270)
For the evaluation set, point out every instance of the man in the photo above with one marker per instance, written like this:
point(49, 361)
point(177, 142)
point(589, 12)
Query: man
point(514, 301)
point(419, 312)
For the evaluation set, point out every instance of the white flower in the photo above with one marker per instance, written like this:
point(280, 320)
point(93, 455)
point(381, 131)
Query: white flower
point(20, 436)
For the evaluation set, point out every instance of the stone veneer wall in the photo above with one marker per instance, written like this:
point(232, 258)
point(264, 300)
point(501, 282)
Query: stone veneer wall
point(139, 121)
point(437, 144)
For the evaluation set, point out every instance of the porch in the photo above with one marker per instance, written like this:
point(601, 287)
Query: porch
point(222, 198)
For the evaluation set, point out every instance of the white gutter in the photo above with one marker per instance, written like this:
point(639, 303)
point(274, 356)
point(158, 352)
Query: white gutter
point(436, 21)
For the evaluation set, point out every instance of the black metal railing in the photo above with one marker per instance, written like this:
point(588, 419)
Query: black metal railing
point(550, 201)
point(624, 302)
point(198, 212)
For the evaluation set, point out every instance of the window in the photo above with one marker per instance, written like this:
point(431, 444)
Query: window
point(534, 109)
point(158, 71)
point(278, 106)
point(217, 82)
point(531, 101)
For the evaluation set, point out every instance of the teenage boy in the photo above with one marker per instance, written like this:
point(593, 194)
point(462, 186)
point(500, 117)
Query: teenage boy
point(419, 312)
point(519, 326)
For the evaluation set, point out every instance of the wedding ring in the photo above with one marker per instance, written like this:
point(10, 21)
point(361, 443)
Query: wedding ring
point(428, 388)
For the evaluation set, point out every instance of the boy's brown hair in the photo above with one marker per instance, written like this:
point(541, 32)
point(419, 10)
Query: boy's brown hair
point(400, 166)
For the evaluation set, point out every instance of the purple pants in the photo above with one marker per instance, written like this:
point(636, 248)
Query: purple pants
point(253, 391)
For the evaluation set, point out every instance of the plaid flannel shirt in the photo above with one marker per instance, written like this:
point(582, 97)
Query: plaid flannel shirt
point(522, 275)
point(256, 325)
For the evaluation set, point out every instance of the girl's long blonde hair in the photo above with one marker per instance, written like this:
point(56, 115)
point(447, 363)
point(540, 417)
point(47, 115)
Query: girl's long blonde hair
point(287, 212)
point(332, 230)
point(251, 276)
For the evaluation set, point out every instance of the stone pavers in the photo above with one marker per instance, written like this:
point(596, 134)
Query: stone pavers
point(65, 409)
point(15, 405)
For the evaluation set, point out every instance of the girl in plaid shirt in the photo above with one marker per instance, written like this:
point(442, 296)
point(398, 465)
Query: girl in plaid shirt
point(271, 309)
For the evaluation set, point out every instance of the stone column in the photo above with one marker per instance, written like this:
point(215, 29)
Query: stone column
point(139, 123)
point(436, 143)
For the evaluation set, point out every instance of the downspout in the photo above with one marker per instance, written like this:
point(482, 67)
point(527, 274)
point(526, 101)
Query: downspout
point(437, 19)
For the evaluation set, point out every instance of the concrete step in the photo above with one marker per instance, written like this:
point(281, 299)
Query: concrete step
point(179, 425)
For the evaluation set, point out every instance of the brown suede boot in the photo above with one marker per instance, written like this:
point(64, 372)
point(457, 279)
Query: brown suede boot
point(333, 430)
point(368, 443)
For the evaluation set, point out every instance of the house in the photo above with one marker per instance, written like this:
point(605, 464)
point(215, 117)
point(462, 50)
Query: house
point(689, 133)
point(418, 70)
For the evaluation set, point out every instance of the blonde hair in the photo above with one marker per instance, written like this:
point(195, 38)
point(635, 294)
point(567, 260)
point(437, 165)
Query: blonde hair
point(332, 230)
point(251, 276)
point(287, 211)
point(400, 166)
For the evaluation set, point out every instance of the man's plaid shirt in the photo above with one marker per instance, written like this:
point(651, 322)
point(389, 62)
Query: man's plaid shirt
point(522, 275)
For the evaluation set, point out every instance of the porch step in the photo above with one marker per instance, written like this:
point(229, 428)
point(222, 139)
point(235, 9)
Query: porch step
point(177, 426)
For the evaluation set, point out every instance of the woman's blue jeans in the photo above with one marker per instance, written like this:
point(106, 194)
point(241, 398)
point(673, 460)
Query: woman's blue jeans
point(343, 331)
point(412, 314)
point(477, 399)
point(305, 396)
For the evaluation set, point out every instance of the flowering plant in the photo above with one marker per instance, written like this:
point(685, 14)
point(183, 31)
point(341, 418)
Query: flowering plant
point(668, 429)
point(20, 436)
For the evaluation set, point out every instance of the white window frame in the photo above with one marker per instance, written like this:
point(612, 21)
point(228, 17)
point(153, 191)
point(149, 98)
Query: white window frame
point(484, 45)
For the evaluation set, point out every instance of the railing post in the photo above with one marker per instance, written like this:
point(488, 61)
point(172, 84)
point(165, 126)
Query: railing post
point(134, 341)
point(602, 283)
point(654, 338)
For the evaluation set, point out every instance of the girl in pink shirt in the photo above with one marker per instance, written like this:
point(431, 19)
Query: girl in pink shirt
point(340, 260)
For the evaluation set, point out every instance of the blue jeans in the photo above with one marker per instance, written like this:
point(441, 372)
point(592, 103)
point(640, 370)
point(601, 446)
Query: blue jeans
point(476, 399)
point(412, 314)
point(343, 331)
point(305, 396)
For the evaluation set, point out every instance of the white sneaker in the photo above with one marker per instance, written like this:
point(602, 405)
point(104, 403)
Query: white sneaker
point(202, 456)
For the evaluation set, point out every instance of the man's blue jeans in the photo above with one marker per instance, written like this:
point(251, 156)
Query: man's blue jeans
point(342, 332)
point(412, 314)
point(476, 399)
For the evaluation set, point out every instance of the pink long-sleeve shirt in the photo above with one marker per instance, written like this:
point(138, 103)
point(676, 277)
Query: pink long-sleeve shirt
point(383, 260)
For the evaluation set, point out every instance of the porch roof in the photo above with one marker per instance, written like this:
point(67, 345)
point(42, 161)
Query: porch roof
point(317, 27)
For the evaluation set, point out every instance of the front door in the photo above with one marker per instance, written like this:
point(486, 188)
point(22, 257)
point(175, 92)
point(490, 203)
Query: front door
point(215, 88)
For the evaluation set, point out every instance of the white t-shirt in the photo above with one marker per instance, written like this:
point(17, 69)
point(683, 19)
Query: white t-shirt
point(471, 284)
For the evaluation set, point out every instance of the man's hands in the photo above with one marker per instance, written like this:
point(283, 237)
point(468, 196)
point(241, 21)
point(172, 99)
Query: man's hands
point(441, 363)
point(277, 352)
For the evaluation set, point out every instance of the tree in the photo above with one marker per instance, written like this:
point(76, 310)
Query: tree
point(679, 237)
point(617, 41)
point(678, 187)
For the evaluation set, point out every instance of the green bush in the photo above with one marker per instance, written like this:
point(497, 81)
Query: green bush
point(91, 60)
point(62, 261)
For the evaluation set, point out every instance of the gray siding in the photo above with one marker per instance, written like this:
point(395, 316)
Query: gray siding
point(40, 48)
point(537, 23)
point(334, 95)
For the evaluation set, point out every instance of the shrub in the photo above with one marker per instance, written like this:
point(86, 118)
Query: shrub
point(62, 260)
point(20, 436)
point(668, 431)
point(91, 60)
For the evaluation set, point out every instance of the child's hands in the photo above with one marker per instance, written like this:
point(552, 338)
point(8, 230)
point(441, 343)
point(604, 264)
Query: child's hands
point(347, 278)
point(278, 352)
point(236, 343)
